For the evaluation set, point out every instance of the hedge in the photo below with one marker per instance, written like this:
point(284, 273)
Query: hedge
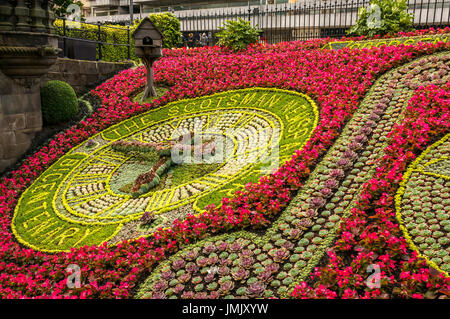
point(167, 23)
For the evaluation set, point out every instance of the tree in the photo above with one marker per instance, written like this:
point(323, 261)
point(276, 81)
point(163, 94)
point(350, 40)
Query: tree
point(61, 6)
point(237, 35)
point(382, 17)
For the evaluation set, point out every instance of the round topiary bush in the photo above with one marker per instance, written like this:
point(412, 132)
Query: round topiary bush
point(59, 102)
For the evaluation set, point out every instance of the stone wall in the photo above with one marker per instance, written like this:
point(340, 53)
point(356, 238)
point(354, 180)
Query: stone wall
point(20, 118)
point(20, 102)
point(83, 75)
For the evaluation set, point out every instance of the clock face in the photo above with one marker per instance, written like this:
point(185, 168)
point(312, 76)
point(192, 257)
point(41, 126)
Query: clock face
point(95, 192)
point(86, 197)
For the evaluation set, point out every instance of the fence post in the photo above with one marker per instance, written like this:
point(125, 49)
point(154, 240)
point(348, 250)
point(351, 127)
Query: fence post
point(99, 42)
point(285, 23)
point(64, 38)
point(128, 35)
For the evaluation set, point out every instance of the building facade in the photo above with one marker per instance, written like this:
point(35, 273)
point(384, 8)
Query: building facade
point(104, 8)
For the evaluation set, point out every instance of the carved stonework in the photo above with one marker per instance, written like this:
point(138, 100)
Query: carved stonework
point(28, 48)
point(19, 62)
point(6, 14)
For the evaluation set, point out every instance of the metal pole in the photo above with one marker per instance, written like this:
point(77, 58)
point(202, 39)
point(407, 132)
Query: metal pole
point(99, 42)
point(128, 35)
point(64, 38)
point(131, 12)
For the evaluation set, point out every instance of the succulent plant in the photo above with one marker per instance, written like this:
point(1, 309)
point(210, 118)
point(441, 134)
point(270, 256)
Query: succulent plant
point(222, 246)
point(349, 154)
point(225, 262)
point(288, 245)
point(209, 249)
point(188, 295)
point(344, 163)
point(240, 274)
point(147, 218)
point(210, 276)
point(158, 295)
point(226, 286)
point(337, 174)
point(178, 264)
point(212, 286)
point(202, 262)
point(279, 255)
point(178, 288)
point(198, 287)
point(214, 295)
point(191, 255)
point(362, 138)
point(196, 280)
point(201, 295)
point(184, 278)
point(294, 234)
point(246, 253)
point(223, 270)
point(213, 260)
point(247, 262)
point(167, 275)
point(256, 289)
point(326, 192)
point(317, 202)
point(235, 247)
point(90, 143)
point(354, 146)
point(160, 285)
point(191, 267)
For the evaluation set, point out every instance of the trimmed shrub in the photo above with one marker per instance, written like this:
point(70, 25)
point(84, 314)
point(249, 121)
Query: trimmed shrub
point(237, 35)
point(59, 102)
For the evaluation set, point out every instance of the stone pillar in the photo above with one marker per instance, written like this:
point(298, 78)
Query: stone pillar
point(28, 48)
point(20, 117)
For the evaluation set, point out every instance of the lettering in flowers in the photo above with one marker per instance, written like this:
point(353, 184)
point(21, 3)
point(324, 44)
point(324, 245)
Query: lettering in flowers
point(367, 44)
point(100, 189)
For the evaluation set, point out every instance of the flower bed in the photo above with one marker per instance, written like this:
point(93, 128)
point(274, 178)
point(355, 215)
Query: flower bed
point(371, 235)
point(337, 81)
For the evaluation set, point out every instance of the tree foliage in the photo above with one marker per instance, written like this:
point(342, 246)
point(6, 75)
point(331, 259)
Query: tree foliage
point(237, 34)
point(60, 7)
point(382, 17)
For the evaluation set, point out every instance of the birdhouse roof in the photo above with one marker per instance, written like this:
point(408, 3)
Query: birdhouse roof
point(146, 24)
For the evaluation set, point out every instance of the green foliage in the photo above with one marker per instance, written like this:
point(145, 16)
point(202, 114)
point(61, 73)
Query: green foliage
point(237, 35)
point(60, 7)
point(59, 102)
point(382, 17)
point(167, 23)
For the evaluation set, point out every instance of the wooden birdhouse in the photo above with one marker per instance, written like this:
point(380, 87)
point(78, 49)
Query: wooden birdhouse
point(148, 46)
point(147, 39)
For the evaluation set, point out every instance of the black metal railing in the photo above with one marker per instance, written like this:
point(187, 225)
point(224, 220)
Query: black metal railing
point(304, 20)
point(90, 41)
point(283, 22)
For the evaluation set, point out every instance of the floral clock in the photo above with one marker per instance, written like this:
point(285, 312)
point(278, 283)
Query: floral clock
point(85, 198)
